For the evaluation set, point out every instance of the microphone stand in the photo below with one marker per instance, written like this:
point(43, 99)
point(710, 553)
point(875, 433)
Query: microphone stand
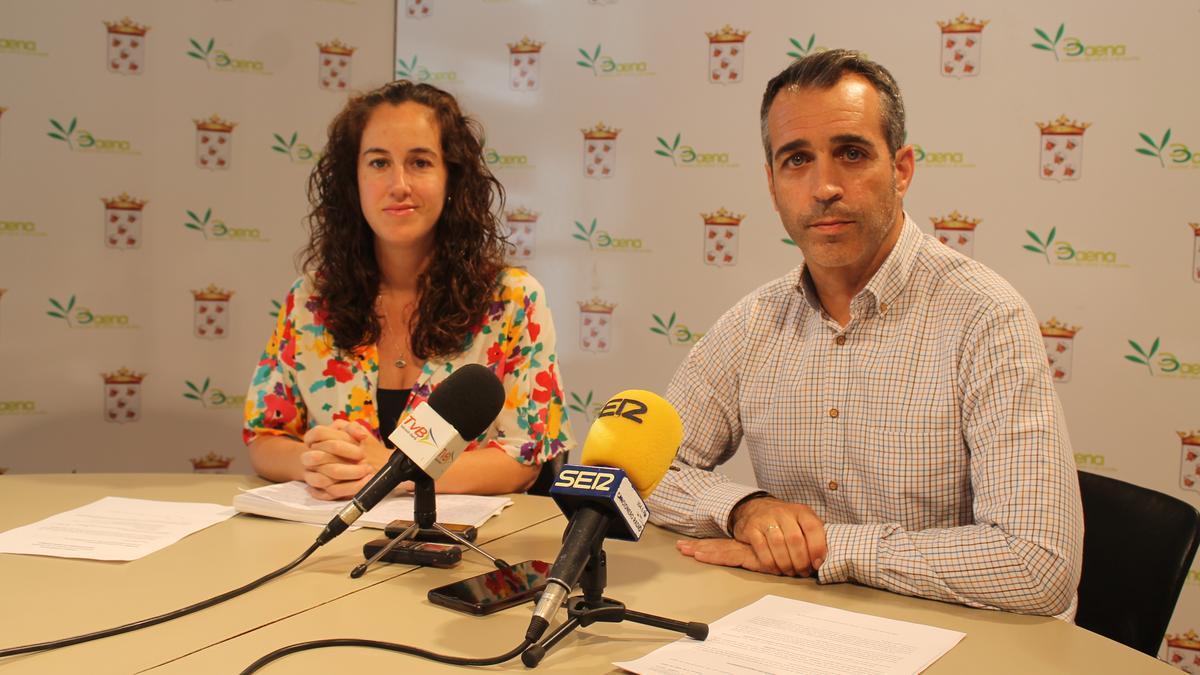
point(424, 518)
point(592, 606)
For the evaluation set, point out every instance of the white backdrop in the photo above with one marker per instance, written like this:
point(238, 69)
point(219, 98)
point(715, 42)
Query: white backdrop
point(1001, 107)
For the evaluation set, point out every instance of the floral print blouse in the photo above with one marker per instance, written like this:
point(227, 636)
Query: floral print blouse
point(303, 381)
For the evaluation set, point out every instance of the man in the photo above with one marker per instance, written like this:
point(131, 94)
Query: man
point(894, 395)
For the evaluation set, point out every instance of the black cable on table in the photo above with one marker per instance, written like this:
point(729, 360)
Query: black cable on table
point(390, 646)
point(144, 623)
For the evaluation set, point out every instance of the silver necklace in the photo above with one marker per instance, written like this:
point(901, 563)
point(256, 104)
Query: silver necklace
point(400, 362)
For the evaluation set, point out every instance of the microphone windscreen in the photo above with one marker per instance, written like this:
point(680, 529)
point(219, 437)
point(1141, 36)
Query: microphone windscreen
point(470, 399)
point(637, 431)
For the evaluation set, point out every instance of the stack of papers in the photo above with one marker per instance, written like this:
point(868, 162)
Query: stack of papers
point(779, 635)
point(113, 528)
point(291, 501)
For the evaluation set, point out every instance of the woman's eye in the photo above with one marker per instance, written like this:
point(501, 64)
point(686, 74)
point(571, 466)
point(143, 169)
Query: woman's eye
point(377, 163)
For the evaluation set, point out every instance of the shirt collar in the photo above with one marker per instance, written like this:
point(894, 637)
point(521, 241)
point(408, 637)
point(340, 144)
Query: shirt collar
point(887, 283)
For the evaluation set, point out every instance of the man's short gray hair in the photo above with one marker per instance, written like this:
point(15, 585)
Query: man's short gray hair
point(825, 69)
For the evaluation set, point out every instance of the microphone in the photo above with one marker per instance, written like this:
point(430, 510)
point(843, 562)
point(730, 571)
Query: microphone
point(626, 454)
point(429, 439)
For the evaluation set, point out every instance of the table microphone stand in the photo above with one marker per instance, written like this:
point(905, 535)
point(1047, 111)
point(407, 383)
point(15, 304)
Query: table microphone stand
point(424, 518)
point(592, 606)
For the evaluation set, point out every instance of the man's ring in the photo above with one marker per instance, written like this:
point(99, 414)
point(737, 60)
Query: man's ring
point(772, 527)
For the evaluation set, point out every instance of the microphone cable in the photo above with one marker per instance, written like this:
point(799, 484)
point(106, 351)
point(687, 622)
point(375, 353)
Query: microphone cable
point(144, 623)
point(390, 646)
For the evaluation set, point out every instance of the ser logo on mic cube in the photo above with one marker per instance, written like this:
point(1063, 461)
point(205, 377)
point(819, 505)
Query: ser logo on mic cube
point(605, 488)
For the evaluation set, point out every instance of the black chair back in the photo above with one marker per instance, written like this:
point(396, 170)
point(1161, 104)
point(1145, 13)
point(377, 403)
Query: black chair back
point(546, 476)
point(1138, 546)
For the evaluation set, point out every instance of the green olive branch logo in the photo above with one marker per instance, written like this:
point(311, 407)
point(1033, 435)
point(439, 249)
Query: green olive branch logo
point(202, 53)
point(1042, 248)
point(585, 233)
point(589, 60)
point(1049, 45)
point(63, 313)
point(802, 50)
point(1158, 147)
point(663, 328)
point(1145, 361)
point(63, 134)
point(668, 150)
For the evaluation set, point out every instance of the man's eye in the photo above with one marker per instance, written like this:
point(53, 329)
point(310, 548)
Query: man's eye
point(796, 160)
point(854, 154)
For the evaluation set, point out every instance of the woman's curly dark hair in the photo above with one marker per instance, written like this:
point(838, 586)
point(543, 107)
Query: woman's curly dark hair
point(469, 249)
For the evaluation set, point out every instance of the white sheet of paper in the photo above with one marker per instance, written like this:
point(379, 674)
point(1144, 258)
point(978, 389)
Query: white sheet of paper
point(113, 528)
point(779, 635)
point(296, 503)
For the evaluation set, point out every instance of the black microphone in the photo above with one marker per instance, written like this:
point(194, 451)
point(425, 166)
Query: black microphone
point(429, 439)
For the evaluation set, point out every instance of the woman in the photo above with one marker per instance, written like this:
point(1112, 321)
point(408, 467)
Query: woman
point(406, 282)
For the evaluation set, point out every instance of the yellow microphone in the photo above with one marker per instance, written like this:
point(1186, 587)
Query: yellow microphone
point(626, 454)
point(638, 431)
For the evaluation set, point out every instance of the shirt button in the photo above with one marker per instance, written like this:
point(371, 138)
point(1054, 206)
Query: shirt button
point(841, 339)
point(883, 307)
point(833, 485)
point(833, 412)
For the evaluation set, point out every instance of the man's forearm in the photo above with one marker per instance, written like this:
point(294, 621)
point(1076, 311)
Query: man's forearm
point(974, 565)
point(696, 502)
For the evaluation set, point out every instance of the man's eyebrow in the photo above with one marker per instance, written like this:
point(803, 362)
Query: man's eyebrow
point(853, 138)
point(790, 147)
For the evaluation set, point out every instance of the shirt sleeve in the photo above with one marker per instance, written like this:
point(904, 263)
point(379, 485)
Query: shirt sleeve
point(1025, 549)
point(692, 498)
point(532, 426)
point(274, 403)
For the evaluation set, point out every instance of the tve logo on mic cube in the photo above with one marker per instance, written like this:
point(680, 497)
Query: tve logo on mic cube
point(429, 441)
point(605, 488)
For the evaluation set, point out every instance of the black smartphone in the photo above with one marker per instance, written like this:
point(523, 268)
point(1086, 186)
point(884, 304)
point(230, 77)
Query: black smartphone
point(495, 590)
point(396, 527)
point(415, 553)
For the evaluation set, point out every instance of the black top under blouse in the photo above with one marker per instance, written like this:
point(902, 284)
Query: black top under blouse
point(391, 405)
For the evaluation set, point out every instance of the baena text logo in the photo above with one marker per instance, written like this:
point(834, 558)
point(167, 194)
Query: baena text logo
point(412, 70)
point(1162, 364)
point(82, 317)
point(497, 160)
point(1064, 253)
point(220, 60)
point(296, 152)
point(603, 241)
point(603, 65)
point(81, 140)
point(1092, 462)
point(20, 408)
point(20, 228)
point(686, 156)
point(941, 159)
point(10, 45)
point(212, 398)
point(677, 334)
point(1173, 156)
point(1074, 49)
point(215, 229)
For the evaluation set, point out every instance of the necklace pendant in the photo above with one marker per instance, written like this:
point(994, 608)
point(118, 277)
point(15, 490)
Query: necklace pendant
point(400, 363)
